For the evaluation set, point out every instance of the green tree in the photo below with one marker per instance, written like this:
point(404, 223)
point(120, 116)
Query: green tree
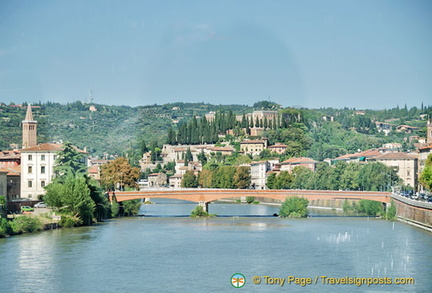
point(426, 175)
point(69, 162)
point(391, 211)
point(189, 180)
point(295, 207)
point(369, 207)
point(242, 178)
point(205, 179)
point(72, 197)
point(131, 207)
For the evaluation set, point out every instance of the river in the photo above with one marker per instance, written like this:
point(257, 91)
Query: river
point(161, 253)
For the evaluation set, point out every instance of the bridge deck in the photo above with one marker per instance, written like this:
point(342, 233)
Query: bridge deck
point(208, 195)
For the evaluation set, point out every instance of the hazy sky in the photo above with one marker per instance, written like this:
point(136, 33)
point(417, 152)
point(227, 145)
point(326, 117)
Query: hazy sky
point(365, 54)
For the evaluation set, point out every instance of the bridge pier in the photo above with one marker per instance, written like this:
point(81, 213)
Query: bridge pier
point(204, 205)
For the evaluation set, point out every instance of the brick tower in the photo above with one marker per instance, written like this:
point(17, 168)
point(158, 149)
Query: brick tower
point(29, 130)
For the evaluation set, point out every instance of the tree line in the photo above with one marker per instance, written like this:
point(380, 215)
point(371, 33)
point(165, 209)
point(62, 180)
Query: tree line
point(220, 177)
point(342, 176)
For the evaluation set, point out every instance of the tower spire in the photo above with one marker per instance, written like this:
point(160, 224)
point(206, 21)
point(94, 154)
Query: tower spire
point(29, 114)
point(29, 130)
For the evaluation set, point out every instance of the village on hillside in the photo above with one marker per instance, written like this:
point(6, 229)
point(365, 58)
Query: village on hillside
point(25, 172)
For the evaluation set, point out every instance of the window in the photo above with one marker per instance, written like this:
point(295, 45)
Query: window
point(42, 169)
point(30, 157)
point(55, 157)
point(42, 183)
point(30, 169)
point(42, 157)
point(30, 183)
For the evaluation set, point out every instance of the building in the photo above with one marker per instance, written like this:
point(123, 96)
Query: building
point(253, 147)
point(10, 159)
point(278, 148)
point(383, 127)
point(258, 172)
point(13, 177)
point(37, 168)
point(405, 165)
point(406, 128)
point(291, 163)
point(358, 157)
point(157, 179)
point(175, 181)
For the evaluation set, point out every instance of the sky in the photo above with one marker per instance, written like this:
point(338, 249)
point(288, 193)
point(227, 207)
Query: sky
point(370, 54)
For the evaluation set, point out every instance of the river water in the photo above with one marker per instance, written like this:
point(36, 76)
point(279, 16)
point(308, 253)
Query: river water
point(161, 253)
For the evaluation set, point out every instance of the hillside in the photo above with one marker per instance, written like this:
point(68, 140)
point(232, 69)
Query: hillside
point(104, 129)
point(100, 128)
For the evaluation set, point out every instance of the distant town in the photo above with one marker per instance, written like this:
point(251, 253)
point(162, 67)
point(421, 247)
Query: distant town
point(26, 171)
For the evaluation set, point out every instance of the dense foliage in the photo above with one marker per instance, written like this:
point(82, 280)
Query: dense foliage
point(119, 174)
point(341, 176)
point(426, 175)
point(73, 193)
point(294, 207)
point(369, 208)
point(122, 130)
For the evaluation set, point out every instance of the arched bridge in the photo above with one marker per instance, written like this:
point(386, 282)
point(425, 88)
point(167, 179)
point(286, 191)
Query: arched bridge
point(204, 196)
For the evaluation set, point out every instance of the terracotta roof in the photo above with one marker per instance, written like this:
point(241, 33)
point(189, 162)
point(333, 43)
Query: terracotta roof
point(221, 149)
point(93, 169)
point(367, 153)
point(299, 160)
point(176, 176)
point(258, 162)
point(252, 141)
point(12, 171)
point(278, 146)
point(155, 174)
point(426, 147)
point(48, 147)
point(10, 155)
point(396, 156)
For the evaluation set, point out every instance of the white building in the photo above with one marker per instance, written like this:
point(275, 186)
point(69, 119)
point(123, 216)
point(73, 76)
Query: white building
point(37, 165)
point(258, 171)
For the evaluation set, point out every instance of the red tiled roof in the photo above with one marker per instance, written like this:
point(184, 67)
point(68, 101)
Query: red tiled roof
point(221, 149)
point(12, 171)
point(426, 147)
point(252, 141)
point(93, 169)
point(367, 153)
point(397, 156)
point(10, 154)
point(48, 147)
point(299, 160)
point(278, 146)
point(176, 176)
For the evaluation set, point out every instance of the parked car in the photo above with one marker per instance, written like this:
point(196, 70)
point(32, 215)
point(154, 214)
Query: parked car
point(26, 209)
point(40, 205)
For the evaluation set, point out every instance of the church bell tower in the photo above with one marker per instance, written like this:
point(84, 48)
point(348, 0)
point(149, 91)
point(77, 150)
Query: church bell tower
point(29, 130)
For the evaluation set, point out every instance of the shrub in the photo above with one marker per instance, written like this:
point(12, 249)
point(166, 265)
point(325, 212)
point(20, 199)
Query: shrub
point(391, 211)
point(250, 199)
point(68, 221)
point(25, 224)
point(199, 212)
point(5, 228)
point(294, 207)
